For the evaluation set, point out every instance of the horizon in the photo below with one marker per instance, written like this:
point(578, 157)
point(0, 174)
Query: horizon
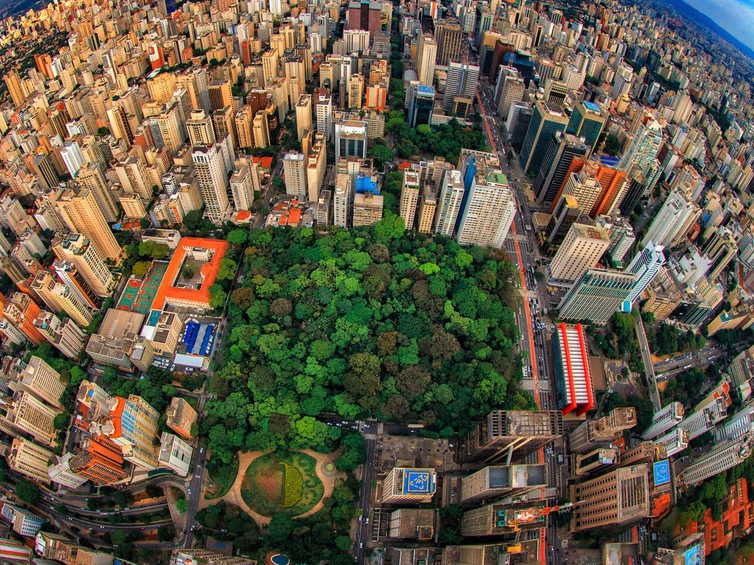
point(728, 15)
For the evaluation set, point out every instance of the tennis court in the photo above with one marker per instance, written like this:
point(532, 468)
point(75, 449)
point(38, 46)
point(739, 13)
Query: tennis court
point(139, 295)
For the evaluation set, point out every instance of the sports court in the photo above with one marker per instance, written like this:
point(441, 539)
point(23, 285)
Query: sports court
point(139, 294)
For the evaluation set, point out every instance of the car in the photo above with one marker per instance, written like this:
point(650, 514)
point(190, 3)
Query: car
point(361, 545)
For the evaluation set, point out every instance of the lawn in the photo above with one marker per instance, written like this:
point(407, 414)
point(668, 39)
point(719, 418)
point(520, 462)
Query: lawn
point(224, 477)
point(278, 482)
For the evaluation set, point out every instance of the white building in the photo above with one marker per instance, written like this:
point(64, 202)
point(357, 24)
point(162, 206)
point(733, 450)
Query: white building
point(175, 454)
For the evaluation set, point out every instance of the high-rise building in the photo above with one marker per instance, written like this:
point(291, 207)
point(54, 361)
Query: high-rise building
point(586, 121)
point(364, 14)
point(573, 377)
point(76, 250)
point(90, 177)
point(499, 518)
point(426, 55)
point(199, 127)
point(83, 216)
point(244, 182)
point(449, 38)
point(720, 458)
point(99, 460)
point(303, 115)
point(244, 127)
point(323, 109)
point(294, 168)
point(520, 432)
point(21, 311)
point(175, 454)
point(64, 335)
point(449, 203)
point(220, 94)
point(27, 415)
point(721, 248)
point(40, 380)
point(596, 460)
point(59, 298)
point(342, 200)
point(427, 209)
point(15, 89)
point(564, 215)
point(545, 121)
point(316, 166)
point(460, 87)
point(644, 147)
point(673, 442)
point(413, 485)
point(367, 208)
point(421, 102)
point(496, 481)
point(602, 432)
point(24, 522)
point(556, 166)
point(645, 265)
point(60, 472)
point(618, 498)
point(581, 249)
point(511, 89)
point(409, 197)
point(662, 421)
point(596, 295)
point(181, 418)
point(488, 211)
point(133, 425)
point(672, 221)
point(29, 459)
point(350, 139)
point(210, 166)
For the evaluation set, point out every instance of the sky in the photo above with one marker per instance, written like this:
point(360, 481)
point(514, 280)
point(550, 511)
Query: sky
point(735, 16)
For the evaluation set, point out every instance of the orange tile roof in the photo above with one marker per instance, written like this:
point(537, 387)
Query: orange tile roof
point(736, 520)
point(243, 215)
point(117, 414)
point(264, 162)
point(209, 270)
point(294, 216)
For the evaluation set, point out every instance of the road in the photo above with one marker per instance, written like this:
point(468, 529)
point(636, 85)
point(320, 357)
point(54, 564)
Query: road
point(194, 494)
point(365, 502)
point(646, 357)
point(676, 365)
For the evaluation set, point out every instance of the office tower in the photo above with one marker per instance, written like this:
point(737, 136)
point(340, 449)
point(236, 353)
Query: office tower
point(662, 421)
point(90, 177)
point(672, 221)
point(421, 102)
point(448, 37)
point(357, 40)
point(488, 211)
point(29, 459)
point(617, 498)
point(496, 481)
point(409, 198)
point(316, 166)
point(409, 485)
point(563, 149)
point(220, 94)
point(564, 215)
point(303, 115)
point(15, 89)
point(602, 432)
point(643, 149)
point(460, 88)
point(323, 108)
point(350, 139)
point(199, 127)
point(645, 265)
point(119, 124)
point(244, 183)
point(364, 14)
point(41, 381)
point(76, 249)
point(60, 472)
point(738, 425)
point(27, 415)
point(426, 54)
point(99, 460)
point(720, 458)
point(498, 518)
point(504, 431)
point(294, 168)
point(83, 216)
point(21, 311)
point(342, 200)
point(720, 249)
point(581, 249)
point(367, 207)
point(621, 236)
point(133, 177)
point(596, 295)
point(59, 298)
point(449, 204)
point(133, 426)
point(545, 121)
point(710, 411)
point(210, 171)
point(64, 335)
point(573, 377)
point(182, 418)
point(512, 89)
point(596, 460)
point(586, 121)
point(427, 209)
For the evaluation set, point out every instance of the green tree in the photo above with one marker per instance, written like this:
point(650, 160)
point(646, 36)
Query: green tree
point(181, 505)
point(26, 491)
point(216, 296)
point(612, 144)
point(381, 154)
point(61, 421)
point(390, 227)
point(237, 237)
point(140, 268)
point(227, 269)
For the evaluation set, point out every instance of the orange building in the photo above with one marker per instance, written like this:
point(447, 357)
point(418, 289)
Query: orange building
point(611, 180)
point(21, 311)
point(576, 165)
point(736, 522)
point(100, 461)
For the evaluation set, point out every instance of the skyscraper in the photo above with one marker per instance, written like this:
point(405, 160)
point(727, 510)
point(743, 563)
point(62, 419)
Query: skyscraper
point(586, 121)
point(644, 147)
point(488, 210)
point(561, 151)
point(294, 168)
point(460, 87)
point(545, 121)
point(723, 455)
point(602, 432)
point(15, 89)
point(409, 198)
point(199, 127)
point(29, 459)
point(511, 90)
point(620, 497)
point(508, 480)
point(82, 215)
point(449, 203)
point(581, 249)
point(40, 380)
point(91, 177)
point(645, 265)
point(426, 53)
point(213, 180)
point(596, 295)
point(303, 115)
point(421, 102)
point(350, 139)
point(133, 426)
point(672, 221)
point(667, 418)
point(76, 250)
point(449, 38)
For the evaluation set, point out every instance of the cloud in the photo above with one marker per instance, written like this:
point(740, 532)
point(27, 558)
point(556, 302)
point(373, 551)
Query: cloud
point(735, 16)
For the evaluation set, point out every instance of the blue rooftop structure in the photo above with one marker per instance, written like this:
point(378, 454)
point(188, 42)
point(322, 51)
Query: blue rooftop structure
point(694, 555)
point(424, 89)
point(365, 183)
point(661, 470)
point(591, 106)
point(418, 482)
